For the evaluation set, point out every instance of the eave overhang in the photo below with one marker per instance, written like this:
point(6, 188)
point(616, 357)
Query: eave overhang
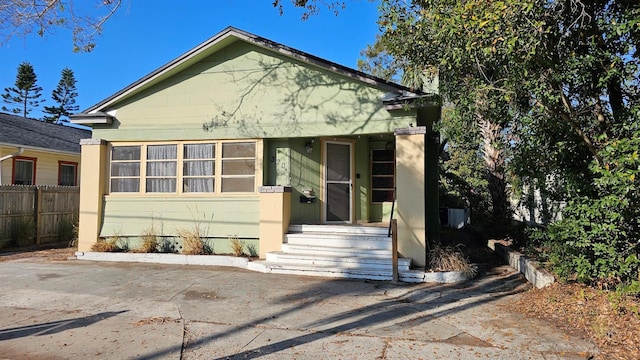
point(95, 118)
point(412, 101)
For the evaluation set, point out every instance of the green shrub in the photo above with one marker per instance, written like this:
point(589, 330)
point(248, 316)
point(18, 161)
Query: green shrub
point(23, 231)
point(597, 241)
point(67, 231)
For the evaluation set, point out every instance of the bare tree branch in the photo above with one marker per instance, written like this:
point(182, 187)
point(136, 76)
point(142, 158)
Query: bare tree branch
point(85, 19)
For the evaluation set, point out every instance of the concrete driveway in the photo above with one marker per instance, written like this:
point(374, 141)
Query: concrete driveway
point(80, 310)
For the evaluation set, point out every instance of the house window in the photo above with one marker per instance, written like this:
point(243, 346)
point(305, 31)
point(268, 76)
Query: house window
point(125, 169)
point(67, 173)
point(198, 168)
point(24, 170)
point(162, 162)
point(184, 167)
point(238, 167)
point(382, 175)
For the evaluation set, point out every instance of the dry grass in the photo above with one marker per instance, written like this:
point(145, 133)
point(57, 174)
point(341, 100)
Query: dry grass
point(447, 258)
point(150, 241)
point(237, 246)
point(192, 242)
point(106, 245)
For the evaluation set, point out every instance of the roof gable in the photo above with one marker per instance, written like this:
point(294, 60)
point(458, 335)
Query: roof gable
point(31, 133)
point(227, 37)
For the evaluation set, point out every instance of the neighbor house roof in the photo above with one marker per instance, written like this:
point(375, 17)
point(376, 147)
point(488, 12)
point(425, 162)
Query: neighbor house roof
point(18, 131)
point(225, 38)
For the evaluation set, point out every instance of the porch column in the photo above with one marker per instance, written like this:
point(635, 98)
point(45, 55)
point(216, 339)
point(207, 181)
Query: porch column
point(93, 173)
point(410, 193)
point(275, 214)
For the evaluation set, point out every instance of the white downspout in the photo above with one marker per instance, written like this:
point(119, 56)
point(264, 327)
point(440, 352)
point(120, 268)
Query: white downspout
point(20, 151)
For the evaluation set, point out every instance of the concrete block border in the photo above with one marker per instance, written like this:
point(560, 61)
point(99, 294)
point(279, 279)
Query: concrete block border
point(531, 269)
point(163, 258)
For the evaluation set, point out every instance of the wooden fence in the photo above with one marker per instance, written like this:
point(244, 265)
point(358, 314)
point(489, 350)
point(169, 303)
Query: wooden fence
point(37, 214)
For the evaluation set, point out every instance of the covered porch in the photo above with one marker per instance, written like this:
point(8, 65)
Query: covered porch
point(335, 190)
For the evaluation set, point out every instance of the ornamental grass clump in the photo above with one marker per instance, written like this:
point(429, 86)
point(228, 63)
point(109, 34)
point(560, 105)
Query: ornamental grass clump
point(106, 245)
point(237, 246)
point(193, 242)
point(447, 258)
point(150, 241)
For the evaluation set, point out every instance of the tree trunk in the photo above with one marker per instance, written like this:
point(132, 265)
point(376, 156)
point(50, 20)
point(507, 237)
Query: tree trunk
point(494, 158)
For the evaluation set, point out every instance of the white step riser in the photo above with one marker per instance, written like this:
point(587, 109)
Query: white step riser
point(339, 229)
point(351, 263)
point(358, 242)
point(334, 251)
point(332, 274)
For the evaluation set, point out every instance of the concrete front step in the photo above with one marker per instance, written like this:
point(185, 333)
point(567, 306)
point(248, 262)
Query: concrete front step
point(358, 241)
point(335, 251)
point(351, 262)
point(325, 271)
point(340, 229)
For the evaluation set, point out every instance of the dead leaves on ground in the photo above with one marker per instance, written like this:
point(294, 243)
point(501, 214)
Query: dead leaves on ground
point(609, 320)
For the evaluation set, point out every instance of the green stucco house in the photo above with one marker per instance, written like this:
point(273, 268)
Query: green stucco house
point(254, 140)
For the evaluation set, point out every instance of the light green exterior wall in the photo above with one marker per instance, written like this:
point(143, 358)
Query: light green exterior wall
point(244, 91)
point(290, 164)
point(217, 216)
point(247, 92)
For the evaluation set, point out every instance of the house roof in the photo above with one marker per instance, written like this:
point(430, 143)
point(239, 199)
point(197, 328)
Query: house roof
point(17, 131)
point(230, 35)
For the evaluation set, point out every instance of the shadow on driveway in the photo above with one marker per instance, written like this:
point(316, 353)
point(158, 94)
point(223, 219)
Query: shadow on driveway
point(54, 327)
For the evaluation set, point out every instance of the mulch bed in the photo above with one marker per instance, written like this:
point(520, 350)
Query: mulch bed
point(610, 321)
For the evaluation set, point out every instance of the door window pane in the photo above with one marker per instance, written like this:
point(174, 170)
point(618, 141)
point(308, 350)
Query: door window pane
point(338, 162)
point(338, 202)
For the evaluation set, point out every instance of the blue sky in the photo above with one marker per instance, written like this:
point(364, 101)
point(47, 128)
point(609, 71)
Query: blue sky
point(145, 34)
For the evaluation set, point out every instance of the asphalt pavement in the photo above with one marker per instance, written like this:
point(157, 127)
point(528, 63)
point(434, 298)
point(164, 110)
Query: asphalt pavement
point(81, 309)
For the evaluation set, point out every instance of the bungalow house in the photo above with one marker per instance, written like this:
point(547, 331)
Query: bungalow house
point(34, 152)
point(249, 139)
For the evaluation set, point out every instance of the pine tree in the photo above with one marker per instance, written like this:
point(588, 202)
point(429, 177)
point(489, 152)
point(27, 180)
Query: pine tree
point(25, 95)
point(64, 96)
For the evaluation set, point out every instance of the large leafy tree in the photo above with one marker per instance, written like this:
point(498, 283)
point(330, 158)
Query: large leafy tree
point(23, 17)
point(556, 84)
point(25, 94)
point(560, 78)
point(65, 98)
